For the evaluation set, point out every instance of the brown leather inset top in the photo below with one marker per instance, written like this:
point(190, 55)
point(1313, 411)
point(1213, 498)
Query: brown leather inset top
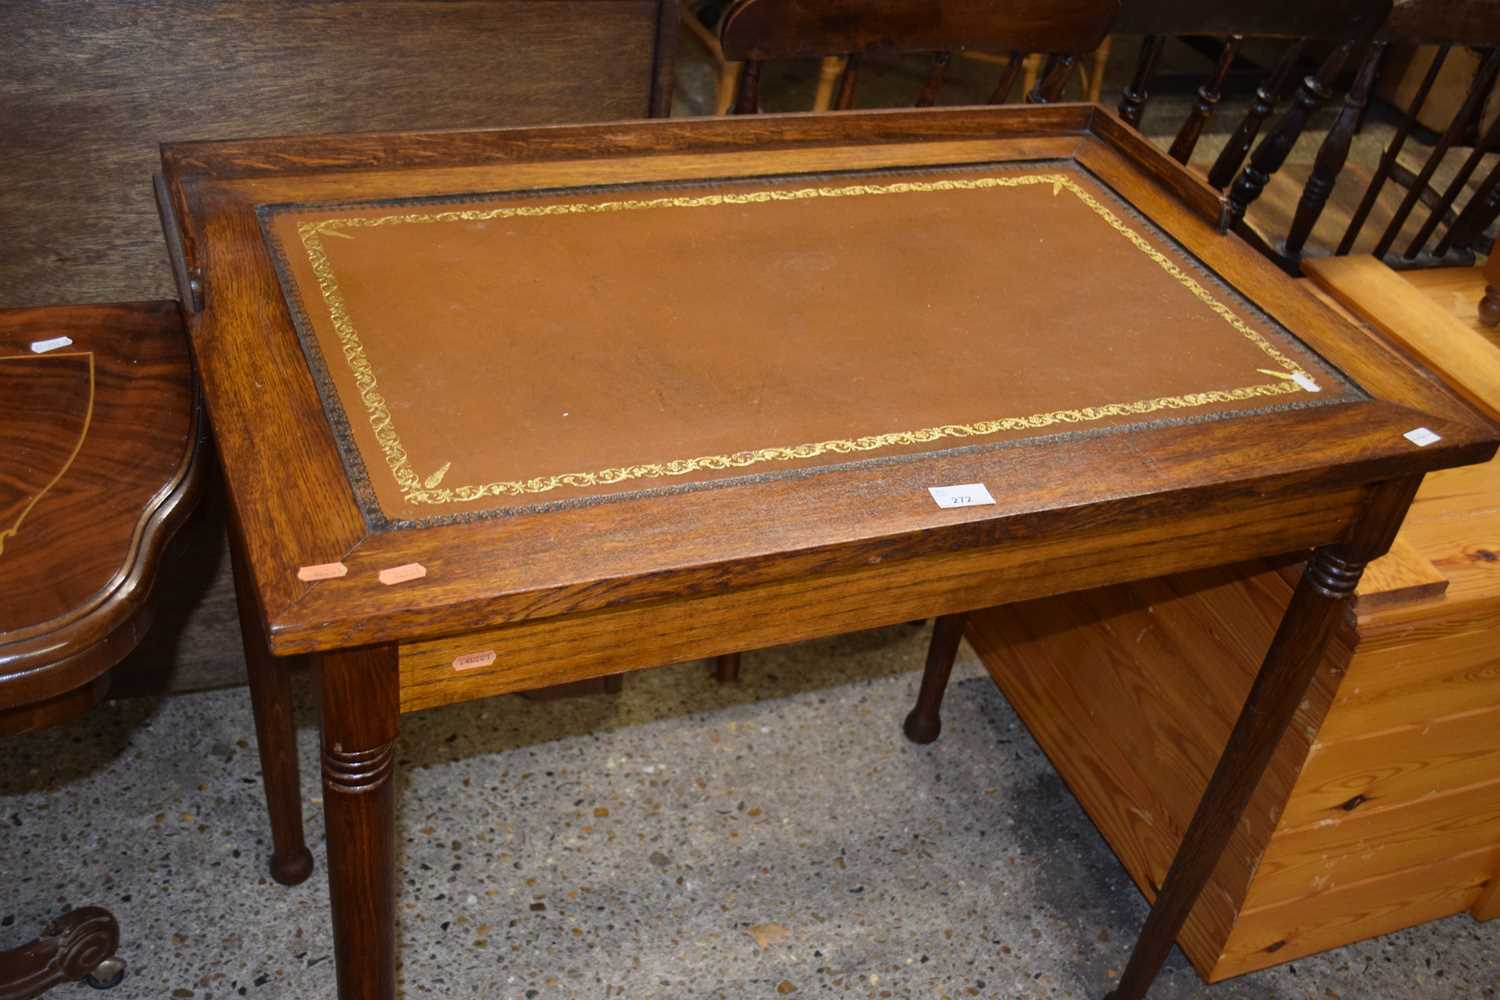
point(511, 351)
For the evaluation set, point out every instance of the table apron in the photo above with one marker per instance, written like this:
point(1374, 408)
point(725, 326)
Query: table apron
point(537, 653)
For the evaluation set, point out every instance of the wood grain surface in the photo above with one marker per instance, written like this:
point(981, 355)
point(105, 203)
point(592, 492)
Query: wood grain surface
point(88, 96)
point(751, 520)
point(1391, 304)
point(548, 651)
point(1303, 862)
point(1272, 935)
point(99, 446)
point(773, 29)
point(1068, 664)
point(1400, 576)
point(1269, 18)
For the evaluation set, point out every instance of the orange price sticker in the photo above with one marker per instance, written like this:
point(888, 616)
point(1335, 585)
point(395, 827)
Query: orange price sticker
point(322, 571)
point(401, 574)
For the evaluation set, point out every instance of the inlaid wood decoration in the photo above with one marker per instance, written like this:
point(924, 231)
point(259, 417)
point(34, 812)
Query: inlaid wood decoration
point(799, 333)
point(50, 401)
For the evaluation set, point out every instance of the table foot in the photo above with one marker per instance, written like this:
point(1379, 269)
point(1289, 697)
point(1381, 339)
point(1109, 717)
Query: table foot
point(925, 722)
point(922, 729)
point(292, 869)
point(79, 945)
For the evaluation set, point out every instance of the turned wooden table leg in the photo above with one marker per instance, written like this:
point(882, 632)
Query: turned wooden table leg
point(361, 714)
point(275, 733)
point(1321, 599)
point(79, 945)
point(924, 721)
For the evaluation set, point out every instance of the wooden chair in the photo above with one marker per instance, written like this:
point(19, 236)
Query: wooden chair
point(1090, 79)
point(1365, 30)
point(832, 67)
point(99, 466)
point(727, 76)
point(1445, 24)
point(754, 31)
point(1351, 26)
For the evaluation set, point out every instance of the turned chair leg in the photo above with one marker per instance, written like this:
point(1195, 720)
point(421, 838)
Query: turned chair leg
point(727, 668)
point(275, 733)
point(924, 723)
point(829, 72)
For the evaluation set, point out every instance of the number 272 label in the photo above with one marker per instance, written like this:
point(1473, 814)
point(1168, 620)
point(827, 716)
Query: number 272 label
point(967, 495)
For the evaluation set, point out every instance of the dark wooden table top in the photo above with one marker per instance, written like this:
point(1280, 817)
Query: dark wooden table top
point(98, 466)
point(588, 369)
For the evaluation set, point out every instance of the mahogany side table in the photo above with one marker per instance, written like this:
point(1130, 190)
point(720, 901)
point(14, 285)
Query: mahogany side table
point(99, 465)
point(500, 409)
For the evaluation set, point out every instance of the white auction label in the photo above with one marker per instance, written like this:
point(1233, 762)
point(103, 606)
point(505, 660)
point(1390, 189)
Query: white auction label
point(1421, 437)
point(43, 346)
point(968, 495)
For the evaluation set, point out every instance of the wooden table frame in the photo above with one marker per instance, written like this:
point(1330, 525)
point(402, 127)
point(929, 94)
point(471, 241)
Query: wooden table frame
point(764, 562)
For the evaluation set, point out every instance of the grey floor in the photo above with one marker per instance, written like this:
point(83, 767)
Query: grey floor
point(682, 840)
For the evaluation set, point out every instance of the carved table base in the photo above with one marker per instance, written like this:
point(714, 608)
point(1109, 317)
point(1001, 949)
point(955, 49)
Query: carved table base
point(78, 945)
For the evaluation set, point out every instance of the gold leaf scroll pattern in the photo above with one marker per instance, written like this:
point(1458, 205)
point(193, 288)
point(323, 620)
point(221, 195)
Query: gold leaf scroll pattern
point(417, 491)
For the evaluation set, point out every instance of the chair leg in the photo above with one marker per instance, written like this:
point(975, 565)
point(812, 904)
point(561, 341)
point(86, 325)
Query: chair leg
point(1032, 67)
point(828, 77)
point(727, 668)
point(925, 722)
point(1096, 73)
point(727, 89)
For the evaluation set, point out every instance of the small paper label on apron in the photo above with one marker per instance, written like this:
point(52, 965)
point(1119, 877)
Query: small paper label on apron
point(969, 495)
point(43, 346)
point(1421, 437)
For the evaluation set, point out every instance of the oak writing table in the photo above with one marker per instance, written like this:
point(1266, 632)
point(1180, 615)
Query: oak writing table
point(502, 409)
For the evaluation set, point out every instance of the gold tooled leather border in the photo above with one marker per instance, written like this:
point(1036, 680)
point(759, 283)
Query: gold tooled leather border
point(418, 490)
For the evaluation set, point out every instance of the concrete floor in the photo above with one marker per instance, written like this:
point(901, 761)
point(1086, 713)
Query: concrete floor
point(682, 840)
